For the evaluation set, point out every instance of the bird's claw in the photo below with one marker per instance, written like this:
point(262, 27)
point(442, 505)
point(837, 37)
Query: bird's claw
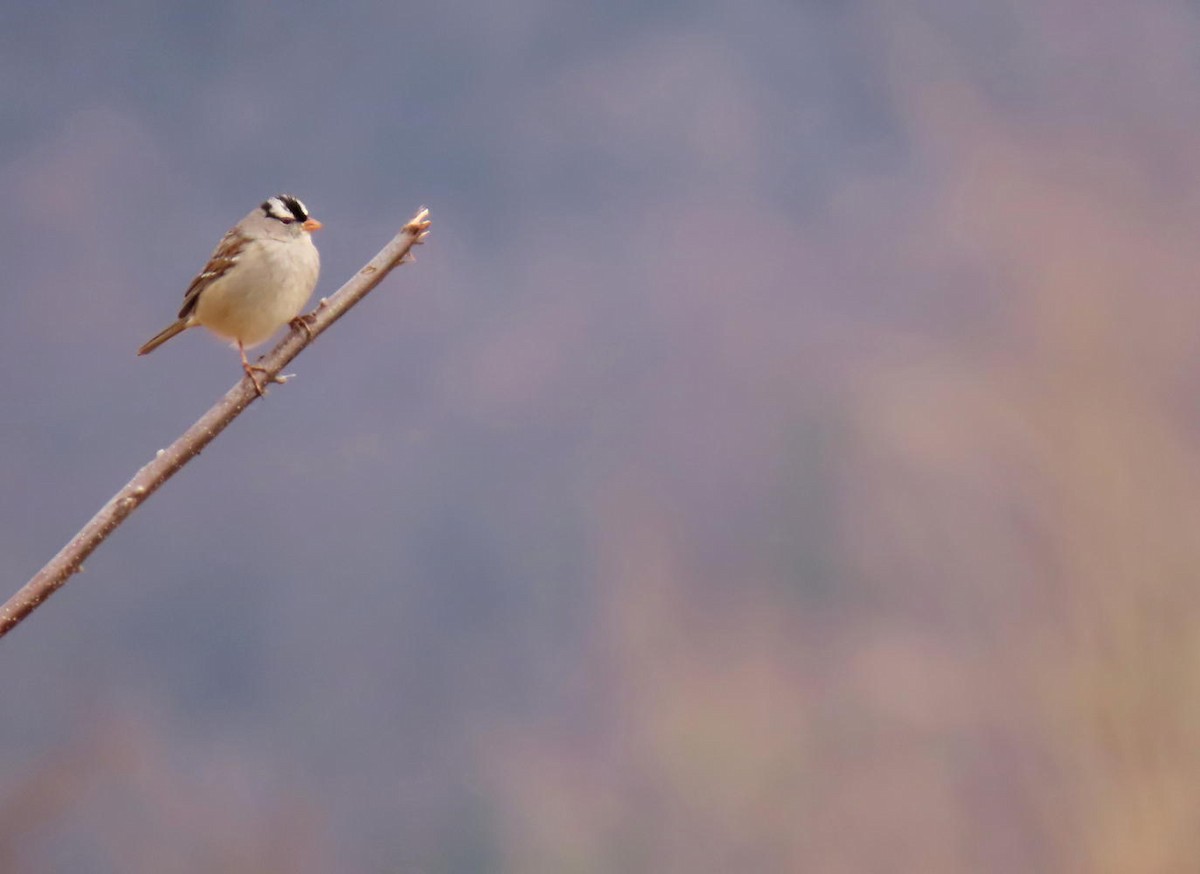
point(251, 369)
point(304, 322)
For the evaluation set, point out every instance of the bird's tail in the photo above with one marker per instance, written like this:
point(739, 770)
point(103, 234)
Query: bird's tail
point(163, 336)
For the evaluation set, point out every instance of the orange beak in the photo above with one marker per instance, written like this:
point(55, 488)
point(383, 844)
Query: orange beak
point(312, 225)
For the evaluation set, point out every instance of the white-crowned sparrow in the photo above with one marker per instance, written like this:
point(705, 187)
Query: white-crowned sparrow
point(258, 279)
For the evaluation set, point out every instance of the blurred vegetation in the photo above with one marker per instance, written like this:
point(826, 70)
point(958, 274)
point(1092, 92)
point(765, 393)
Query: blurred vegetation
point(892, 560)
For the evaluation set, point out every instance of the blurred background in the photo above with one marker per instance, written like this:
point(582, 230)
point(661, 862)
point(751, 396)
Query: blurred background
point(784, 456)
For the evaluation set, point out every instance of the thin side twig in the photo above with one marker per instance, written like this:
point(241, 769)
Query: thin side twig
point(188, 445)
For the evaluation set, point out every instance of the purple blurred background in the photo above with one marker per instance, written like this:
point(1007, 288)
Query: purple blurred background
point(782, 457)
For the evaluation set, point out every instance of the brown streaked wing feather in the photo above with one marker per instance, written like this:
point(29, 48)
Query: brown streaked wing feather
point(223, 257)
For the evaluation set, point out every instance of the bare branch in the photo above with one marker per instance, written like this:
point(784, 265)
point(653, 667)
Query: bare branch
point(167, 461)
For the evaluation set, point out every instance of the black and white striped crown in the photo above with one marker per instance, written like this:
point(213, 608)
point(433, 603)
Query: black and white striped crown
point(286, 208)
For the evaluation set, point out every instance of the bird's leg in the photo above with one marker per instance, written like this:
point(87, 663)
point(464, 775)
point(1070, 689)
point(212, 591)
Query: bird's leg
point(250, 369)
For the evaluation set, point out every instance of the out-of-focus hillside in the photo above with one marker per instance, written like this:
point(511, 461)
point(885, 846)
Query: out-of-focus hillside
point(783, 457)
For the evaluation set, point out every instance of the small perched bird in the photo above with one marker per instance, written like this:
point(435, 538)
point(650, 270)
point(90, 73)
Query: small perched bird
point(258, 279)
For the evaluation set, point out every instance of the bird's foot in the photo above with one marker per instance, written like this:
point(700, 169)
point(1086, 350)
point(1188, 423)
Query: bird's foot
point(251, 370)
point(303, 323)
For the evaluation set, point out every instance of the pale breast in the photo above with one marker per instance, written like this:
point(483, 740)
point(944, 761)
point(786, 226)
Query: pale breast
point(268, 288)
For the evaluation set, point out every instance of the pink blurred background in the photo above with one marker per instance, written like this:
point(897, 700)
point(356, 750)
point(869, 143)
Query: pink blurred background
point(783, 457)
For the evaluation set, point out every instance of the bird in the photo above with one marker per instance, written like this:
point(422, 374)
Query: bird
point(257, 280)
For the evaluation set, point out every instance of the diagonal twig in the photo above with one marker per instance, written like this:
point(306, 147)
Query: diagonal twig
point(188, 445)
